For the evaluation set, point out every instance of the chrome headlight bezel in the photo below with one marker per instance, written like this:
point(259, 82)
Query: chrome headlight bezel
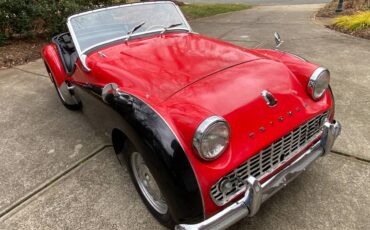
point(204, 129)
point(319, 78)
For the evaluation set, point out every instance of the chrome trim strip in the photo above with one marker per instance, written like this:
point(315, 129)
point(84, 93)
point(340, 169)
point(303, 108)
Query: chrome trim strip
point(82, 53)
point(256, 193)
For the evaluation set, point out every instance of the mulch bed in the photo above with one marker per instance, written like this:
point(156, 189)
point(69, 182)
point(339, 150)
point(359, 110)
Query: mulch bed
point(361, 33)
point(349, 7)
point(19, 52)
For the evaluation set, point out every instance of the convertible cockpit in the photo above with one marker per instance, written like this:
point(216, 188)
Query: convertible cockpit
point(67, 51)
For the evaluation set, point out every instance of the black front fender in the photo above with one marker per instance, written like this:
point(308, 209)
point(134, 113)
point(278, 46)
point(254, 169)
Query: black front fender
point(166, 157)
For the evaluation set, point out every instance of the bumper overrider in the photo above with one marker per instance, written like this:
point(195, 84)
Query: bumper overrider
point(257, 193)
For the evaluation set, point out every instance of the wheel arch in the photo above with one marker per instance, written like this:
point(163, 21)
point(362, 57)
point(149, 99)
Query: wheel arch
point(147, 130)
point(119, 139)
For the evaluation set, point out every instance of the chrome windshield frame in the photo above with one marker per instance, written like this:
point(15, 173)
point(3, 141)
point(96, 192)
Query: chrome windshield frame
point(82, 53)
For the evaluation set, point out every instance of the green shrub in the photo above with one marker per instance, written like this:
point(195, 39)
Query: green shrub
point(27, 18)
point(358, 21)
point(3, 39)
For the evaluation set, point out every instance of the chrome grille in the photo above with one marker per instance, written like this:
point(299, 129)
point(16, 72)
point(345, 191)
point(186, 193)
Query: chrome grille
point(267, 160)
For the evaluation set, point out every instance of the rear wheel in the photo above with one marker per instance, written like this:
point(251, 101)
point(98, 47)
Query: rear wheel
point(147, 186)
point(66, 96)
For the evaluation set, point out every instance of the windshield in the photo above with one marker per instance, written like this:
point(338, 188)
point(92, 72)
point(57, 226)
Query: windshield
point(105, 25)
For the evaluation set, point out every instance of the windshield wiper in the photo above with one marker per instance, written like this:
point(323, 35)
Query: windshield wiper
point(134, 29)
point(165, 29)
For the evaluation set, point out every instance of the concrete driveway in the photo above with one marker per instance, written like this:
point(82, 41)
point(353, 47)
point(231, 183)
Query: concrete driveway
point(57, 173)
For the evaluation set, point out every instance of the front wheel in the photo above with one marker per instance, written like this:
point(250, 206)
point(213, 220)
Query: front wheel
point(148, 188)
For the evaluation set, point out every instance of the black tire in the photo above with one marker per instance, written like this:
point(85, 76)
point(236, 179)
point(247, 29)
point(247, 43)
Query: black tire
point(125, 157)
point(76, 105)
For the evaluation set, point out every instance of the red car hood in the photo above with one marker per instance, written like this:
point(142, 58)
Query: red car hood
point(160, 66)
point(235, 94)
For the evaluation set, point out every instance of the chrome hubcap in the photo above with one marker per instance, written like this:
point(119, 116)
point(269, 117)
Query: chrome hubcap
point(64, 92)
point(147, 184)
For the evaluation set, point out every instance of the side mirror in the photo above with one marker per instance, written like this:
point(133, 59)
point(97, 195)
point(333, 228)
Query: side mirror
point(278, 40)
point(109, 90)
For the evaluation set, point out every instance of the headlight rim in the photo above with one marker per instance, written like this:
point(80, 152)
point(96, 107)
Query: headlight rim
point(202, 130)
point(313, 81)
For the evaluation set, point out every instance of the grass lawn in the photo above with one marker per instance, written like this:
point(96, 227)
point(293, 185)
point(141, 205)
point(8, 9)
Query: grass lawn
point(193, 11)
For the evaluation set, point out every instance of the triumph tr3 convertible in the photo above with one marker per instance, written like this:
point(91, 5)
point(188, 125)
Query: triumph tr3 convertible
point(208, 130)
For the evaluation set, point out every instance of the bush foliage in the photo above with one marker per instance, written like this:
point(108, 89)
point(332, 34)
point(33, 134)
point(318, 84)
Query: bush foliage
point(29, 18)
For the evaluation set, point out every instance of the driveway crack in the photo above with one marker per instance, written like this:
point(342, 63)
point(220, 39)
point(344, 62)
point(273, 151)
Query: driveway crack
point(350, 156)
point(48, 183)
point(30, 72)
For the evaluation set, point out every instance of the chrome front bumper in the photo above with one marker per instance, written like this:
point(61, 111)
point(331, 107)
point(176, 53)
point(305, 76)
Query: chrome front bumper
point(257, 193)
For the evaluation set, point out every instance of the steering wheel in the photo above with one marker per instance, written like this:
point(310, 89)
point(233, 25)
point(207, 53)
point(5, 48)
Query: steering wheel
point(154, 26)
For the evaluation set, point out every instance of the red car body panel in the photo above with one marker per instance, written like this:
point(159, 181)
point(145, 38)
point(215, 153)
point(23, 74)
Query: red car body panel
point(162, 65)
point(187, 77)
point(54, 63)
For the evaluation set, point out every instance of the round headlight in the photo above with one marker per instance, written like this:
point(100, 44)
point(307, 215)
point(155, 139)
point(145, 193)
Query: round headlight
point(212, 138)
point(318, 83)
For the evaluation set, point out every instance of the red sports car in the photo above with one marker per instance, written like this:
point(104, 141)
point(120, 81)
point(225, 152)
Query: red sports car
point(208, 130)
